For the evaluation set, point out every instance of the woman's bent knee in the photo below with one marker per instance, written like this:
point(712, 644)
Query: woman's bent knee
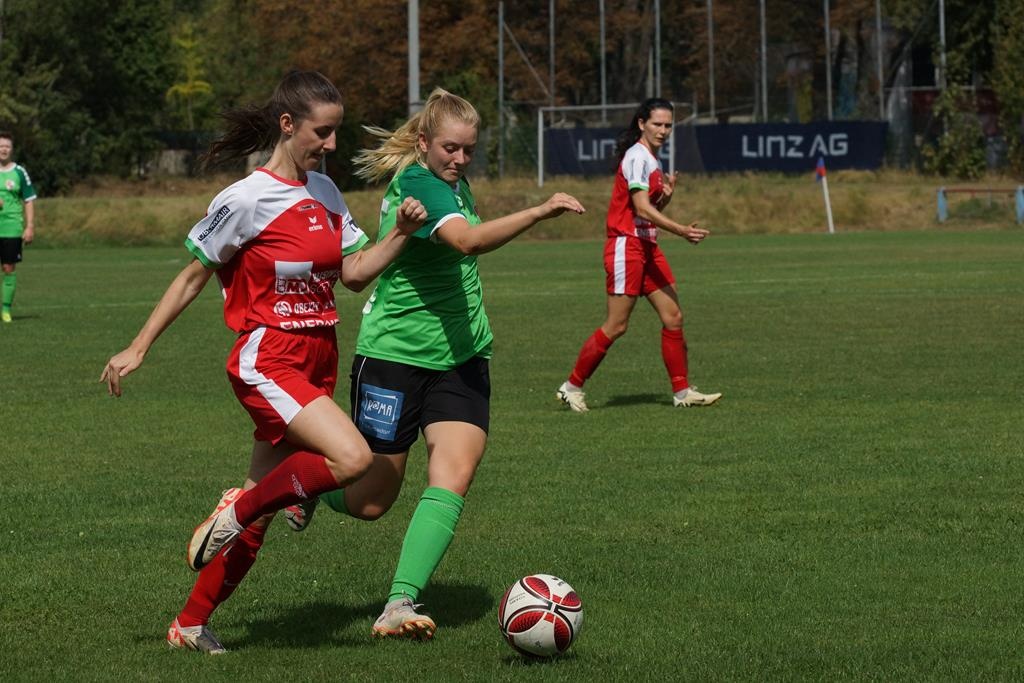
point(351, 462)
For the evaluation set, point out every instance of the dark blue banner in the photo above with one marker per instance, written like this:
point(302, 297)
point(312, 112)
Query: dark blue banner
point(786, 147)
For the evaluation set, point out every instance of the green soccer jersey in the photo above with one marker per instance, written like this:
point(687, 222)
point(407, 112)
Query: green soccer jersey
point(427, 309)
point(15, 189)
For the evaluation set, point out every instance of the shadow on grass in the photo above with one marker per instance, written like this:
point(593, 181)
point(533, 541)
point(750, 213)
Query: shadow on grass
point(517, 659)
point(633, 400)
point(458, 605)
point(320, 623)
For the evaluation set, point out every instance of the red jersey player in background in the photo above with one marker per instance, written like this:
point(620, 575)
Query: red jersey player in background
point(634, 263)
point(278, 240)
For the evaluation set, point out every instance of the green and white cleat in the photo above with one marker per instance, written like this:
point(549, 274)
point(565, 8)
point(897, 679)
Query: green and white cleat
point(217, 532)
point(574, 398)
point(688, 398)
point(400, 619)
point(198, 638)
point(299, 516)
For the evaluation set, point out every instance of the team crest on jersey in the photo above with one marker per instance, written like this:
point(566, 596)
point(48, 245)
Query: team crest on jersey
point(10, 184)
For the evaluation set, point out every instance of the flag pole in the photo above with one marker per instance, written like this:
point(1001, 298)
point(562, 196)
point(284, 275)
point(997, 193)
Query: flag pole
point(823, 177)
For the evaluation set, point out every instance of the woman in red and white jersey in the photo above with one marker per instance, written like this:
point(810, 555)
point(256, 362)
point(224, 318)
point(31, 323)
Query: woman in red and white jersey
point(634, 264)
point(278, 241)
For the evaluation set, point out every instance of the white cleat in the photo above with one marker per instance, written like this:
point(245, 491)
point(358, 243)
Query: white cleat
point(198, 638)
point(300, 515)
point(688, 398)
point(401, 619)
point(217, 532)
point(574, 398)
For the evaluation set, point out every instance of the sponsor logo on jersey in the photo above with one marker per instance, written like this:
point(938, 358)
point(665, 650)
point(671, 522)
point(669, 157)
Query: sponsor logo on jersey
point(218, 218)
point(313, 225)
point(300, 324)
point(308, 207)
point(298, 278)
point(306, 307)
point(283, 309)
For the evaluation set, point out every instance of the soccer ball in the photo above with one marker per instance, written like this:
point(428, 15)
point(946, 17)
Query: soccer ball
point(540, 615)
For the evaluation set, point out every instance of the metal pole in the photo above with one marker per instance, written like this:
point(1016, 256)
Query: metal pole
point(828, 62)
point(764, 67)
point(711, 59)
point(878, 58)
point(671, 144)
point(657, 48)
point(942, 44)
point(551, 56)
point(540, 146)
point(604, 72)
point(414, 57)
point(501, 90)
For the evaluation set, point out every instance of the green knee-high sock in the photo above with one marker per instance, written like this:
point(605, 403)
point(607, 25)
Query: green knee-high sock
point(428, 537)
point(10, 282)
point(335, 500)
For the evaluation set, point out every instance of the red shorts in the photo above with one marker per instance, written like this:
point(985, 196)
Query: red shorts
point(635, 267)
point(276, 373)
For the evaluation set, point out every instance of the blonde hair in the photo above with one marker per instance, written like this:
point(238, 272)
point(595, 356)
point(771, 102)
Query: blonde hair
point(400, 148)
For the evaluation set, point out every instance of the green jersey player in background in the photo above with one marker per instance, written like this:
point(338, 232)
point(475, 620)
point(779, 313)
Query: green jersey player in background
point(17, 218)
point(422, 354)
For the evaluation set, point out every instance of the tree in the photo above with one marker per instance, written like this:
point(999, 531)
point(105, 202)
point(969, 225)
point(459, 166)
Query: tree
point(193, 86)
point(1008, 78)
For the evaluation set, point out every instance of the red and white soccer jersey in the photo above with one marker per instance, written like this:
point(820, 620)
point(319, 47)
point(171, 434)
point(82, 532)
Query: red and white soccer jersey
point(639, 170)
point(277, 245)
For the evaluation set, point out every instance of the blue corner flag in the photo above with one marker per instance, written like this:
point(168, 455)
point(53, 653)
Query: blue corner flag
point(819, 171)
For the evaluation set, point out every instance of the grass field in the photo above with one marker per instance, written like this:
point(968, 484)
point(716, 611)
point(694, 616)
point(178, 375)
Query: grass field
point(850, 510)
point(158, 211)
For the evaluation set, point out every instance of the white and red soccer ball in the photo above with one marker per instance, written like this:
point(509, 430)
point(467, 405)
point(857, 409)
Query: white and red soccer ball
point(540, 615)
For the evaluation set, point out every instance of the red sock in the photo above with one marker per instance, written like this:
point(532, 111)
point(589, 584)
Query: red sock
point(218, 580)
point(591, 355)
point(302, 475)
point(673, 352)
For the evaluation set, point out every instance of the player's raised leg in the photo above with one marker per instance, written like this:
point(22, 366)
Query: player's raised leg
point(321, 427)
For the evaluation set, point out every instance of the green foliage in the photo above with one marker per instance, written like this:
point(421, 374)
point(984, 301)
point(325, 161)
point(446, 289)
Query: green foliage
point(192, 87)
point(103, 69)
point(1008, 78)
point(960, 149)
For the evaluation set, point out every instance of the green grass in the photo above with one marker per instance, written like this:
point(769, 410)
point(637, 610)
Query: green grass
point(159, 211)
point(851, 509)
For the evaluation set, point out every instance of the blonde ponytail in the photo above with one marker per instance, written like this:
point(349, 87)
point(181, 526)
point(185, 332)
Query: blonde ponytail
point(400, 149)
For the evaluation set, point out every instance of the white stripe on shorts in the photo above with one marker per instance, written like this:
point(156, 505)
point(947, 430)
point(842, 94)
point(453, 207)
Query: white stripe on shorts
point(619, 265)
point(286, 406)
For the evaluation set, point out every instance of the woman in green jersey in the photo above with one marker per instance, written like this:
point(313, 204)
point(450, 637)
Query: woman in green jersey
point(422, 354)
point(17, 219)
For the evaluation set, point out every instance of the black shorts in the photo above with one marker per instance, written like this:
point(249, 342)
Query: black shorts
point(392, 402)
point(10, 250)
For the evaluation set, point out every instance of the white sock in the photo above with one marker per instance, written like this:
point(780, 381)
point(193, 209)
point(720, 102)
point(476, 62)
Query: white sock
point(569, 386)
point(681, 394)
